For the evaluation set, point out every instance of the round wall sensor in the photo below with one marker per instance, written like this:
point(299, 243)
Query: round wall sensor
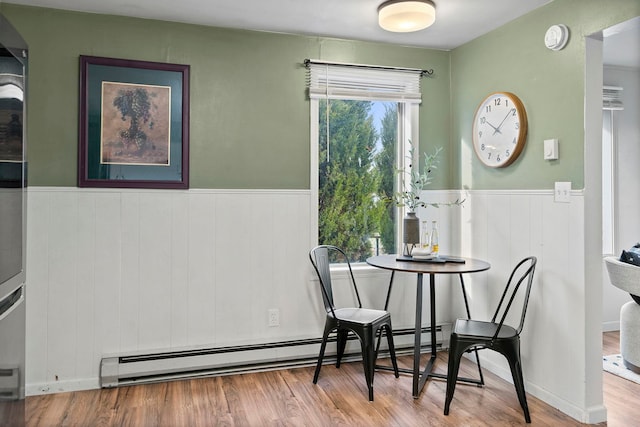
point(556, 37)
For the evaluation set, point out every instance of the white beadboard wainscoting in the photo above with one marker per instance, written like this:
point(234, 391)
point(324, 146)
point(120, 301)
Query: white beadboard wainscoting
point(505, 226)
point(115, 272)
point(121, 271)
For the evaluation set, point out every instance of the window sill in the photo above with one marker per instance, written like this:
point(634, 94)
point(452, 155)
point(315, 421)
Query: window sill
point(361, 269)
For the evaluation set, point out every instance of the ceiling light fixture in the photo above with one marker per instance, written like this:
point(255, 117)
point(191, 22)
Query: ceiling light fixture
point(404, 16)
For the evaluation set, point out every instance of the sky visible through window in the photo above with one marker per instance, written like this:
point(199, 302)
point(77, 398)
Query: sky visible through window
point(377, 111)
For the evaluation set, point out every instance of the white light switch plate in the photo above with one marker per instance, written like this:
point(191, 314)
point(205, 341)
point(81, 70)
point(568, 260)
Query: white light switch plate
point(562, 192)
point(551, 149)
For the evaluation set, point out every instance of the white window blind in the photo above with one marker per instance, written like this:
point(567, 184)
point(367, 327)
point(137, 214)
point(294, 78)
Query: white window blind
point(335, 81)
point(611, 98)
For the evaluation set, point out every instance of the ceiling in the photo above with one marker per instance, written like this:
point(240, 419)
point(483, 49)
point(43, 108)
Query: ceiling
point(457, 21)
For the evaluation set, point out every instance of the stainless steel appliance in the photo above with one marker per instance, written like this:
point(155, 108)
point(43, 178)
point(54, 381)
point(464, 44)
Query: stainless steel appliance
point(13, 66)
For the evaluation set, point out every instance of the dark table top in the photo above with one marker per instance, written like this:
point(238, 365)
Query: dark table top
point(389, 262)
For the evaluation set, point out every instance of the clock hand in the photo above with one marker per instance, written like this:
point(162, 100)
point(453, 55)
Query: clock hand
point(495, 129)
point(502, 122)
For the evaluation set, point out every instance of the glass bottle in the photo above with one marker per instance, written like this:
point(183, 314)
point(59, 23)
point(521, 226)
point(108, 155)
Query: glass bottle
point(434, 238)
point(425, 235)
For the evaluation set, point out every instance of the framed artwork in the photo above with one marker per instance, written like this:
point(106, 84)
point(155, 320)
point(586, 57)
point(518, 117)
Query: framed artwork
point(134, 124)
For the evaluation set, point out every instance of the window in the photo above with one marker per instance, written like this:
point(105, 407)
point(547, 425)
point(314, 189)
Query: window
point(361, 123)
point(608, 183)
point(611, 105)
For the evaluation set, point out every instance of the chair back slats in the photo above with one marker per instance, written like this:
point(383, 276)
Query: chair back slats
point(523, 271)
point(320, 261)
point(321, 257)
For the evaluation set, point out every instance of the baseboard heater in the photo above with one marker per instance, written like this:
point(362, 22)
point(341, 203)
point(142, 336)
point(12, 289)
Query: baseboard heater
point(173, 365)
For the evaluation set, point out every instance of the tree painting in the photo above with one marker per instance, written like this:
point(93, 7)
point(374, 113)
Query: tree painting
point(135, 124)
point(134, 103)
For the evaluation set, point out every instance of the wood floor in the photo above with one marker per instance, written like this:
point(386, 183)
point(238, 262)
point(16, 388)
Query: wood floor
point(289, 398)
point(619, 394)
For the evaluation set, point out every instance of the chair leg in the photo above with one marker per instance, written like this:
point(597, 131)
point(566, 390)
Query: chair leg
point(479, 367)
point(378, 340)
point(466, 305)
point(323, 346)
point(516, 371)
point(392, 349)
point(452, 372)
point(368, 360)
point(513, 357)
point(342, 343)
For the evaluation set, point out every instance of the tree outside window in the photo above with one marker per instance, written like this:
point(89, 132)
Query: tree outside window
point(356, 176)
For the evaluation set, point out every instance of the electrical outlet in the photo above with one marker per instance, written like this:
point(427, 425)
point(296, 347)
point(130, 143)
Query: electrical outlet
point(562, 192)
point(274, 317)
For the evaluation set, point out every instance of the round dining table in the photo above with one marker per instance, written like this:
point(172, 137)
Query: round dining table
point(443, 264)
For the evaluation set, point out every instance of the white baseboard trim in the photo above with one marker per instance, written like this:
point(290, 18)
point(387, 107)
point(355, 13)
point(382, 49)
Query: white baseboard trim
point(62, 386)
point(596, 414)
point(611, 326)
point(590, 415)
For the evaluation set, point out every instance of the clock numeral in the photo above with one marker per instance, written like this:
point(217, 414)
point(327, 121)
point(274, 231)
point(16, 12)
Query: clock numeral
point(480, 134)
point(498, 158)
point(514, 141)
point(488, 108)
point(506, 102)
point(497, 101)
point(513, 112)
point(489, 155)
point(483, 120)
point(517, 125)
point(508, 153)
point(482, 147)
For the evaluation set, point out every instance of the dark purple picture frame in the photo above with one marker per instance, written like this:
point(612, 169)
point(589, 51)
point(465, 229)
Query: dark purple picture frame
point(95, 169)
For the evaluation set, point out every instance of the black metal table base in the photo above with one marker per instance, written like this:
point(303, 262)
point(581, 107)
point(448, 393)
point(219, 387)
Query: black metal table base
point(421, 376)
point(427, 373)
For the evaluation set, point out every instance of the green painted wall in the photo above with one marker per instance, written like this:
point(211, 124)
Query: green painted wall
point(551, 85)
point(249, 110)
point(250, 115)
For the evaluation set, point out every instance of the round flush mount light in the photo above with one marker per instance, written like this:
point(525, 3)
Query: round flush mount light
point(556, 37)
point(404, 16)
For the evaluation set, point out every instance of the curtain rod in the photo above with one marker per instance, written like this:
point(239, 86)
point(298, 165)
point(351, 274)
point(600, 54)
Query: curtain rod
point(423, 73)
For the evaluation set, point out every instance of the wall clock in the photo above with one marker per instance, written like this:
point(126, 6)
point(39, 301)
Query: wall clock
point(499, 129)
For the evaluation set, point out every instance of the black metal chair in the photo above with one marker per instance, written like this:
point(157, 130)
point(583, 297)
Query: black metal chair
point(469, 335)
point(365, 323)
